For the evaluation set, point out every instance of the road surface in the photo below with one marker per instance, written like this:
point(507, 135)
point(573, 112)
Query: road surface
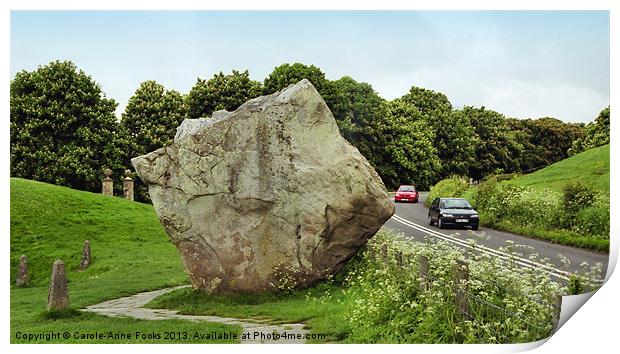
point(412, 221)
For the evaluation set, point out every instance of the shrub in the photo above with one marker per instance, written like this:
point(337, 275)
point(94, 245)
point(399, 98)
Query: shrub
point(594, 219)
point(575, 286)
point(454, 186)
point(577, 196)
point(503, 177)
point(527, 206)
point(483, 193)
point(389, 305)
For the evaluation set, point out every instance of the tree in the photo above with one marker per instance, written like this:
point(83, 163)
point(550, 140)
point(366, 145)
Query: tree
point(287, 74)
point(545, 140)
point(427, 101)
point(596, 134)
point(221, 92)
point(149, 123)
point(455, 141)
point(454, 138)
point(151, 118)
point(62, 127)
point(393, 137)
point(497, 150)
point(361, 116)
point(531, 155)
point(413, 157)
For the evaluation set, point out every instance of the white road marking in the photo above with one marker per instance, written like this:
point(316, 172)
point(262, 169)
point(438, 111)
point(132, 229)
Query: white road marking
point(519, 260)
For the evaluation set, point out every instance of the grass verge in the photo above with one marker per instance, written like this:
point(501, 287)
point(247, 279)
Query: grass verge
point(322, 308)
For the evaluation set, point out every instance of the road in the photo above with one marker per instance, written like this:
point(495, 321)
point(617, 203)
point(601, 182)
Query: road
point(412, 221)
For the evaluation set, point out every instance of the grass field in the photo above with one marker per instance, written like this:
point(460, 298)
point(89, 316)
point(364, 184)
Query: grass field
point(131, 253)
point(590, 167)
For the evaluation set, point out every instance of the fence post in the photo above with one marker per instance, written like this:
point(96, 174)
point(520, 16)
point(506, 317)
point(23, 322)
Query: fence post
point(423, 272)
point(107, 185)
point(384, 252)
point(461, 280)
point(399, 259)
point(557, 308)
point(128, 185)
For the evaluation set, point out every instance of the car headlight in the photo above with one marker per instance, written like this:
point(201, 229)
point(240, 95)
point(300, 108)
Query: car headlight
point(447, 215)
point(473, 216)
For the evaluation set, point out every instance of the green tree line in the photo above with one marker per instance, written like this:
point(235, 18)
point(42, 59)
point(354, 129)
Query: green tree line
point(64, 131)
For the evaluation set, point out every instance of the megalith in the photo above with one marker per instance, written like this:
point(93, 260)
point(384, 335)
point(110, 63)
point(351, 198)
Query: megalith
point(268, 196)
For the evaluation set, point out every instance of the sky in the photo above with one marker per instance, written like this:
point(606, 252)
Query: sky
point(522, 64)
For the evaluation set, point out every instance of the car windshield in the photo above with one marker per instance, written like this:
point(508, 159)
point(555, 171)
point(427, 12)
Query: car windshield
point(455, 204)
point(406, 189)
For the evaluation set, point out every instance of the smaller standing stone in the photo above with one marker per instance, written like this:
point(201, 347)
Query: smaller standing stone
point(107, 185)
point(22, 273)
point(58, 294)
point(128, 185)
point(85, 256)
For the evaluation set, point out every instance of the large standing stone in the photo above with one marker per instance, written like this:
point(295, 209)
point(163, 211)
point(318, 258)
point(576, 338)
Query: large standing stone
point(22, 273)
point(269, 193)
point(58, 294)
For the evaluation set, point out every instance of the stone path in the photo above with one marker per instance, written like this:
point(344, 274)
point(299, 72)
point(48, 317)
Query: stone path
point(253, 331)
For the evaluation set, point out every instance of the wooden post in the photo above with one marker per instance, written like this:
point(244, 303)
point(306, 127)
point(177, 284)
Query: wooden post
point(107, 185)
point(128, 185)
point(461, 280)
point(384, 252)
point(423, 270)
point(86, 256)
point(557, 308)
point(399, 259)
point(370, 251)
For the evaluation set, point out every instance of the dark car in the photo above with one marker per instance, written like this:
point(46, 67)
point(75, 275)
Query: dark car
point(406, 193)
point(452, 212)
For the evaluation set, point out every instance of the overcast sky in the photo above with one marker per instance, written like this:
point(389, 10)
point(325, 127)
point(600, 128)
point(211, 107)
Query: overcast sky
point(522, 64)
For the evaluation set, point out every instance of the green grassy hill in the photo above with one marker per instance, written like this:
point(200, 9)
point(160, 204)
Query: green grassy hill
point(590, 167)
point(49, 222)
point(529, 212)
point(130, 250)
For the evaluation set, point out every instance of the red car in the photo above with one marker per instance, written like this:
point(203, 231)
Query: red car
point(406, 193)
